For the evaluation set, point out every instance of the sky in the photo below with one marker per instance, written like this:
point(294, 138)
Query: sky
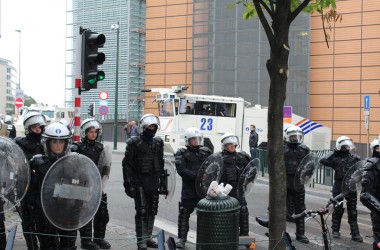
point(43, 26)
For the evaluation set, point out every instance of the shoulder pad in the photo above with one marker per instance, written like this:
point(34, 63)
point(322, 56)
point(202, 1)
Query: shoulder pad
point(205, 149)
point(244, 154)
point(38, 159)
point(74, 147)
point(357, 157)
point(370, 163)
point(18, 139)
point(304, 147)
point(180, 151)
point(159, 139)
point(132, 140)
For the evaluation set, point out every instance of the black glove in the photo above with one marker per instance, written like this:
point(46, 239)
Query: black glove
point(131, 192)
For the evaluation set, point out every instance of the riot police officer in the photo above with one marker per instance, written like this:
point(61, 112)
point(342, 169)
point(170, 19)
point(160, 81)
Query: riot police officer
point(143, 164)
point(11, 127)
point(88, 146)
point(34, 124)
point(188, 161)
point(233, 165)
point(294, 152)
point(56, 140)
point(370, 194)
point(341, 160)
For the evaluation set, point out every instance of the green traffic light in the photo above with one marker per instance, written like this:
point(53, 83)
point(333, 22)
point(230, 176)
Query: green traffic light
point(100, 76)
point(92, 81)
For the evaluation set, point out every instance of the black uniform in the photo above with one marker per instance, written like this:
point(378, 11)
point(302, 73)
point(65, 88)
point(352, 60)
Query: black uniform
point(46, 231)
point(188, 161)
point(341, 162)
point(31, 145)
point(143, 164)
point(370, 194)
point(293, 154)
point(93, 150)
point(12, 131)
point(233, 165)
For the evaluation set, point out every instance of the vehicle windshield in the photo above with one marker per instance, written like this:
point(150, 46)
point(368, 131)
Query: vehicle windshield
point(49, 113)
point(165, 107)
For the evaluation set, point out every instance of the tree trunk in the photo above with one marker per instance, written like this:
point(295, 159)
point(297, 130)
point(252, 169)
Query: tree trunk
point(277, 68)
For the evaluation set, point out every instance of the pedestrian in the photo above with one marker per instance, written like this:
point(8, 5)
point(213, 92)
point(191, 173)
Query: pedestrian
point(143, 164)
point(341, 160)
point(233, 165)
point(11, 127)
point(370, 195)
point(294, 152)
point(131, 129)
point(188, 161)
point(88, 146)
point(56, 140)
point(253, 141)
point(34, 124)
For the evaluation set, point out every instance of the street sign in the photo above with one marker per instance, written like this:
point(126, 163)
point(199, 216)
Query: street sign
point(103, 110)
point(103, 95)
point(19, 102)
point(366, 122)
point(288, 110)
point(103, 102)
point(366, 102)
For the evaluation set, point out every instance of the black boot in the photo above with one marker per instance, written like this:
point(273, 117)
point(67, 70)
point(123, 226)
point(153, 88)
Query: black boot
point(262, 222)
point(300, 231)
point(183, 227)
point(3, 237)
point(355, 234)
point(151, 243)
point(86, 237)
point(353, 218)
point(336, 220)
point(140, 232)
point(244, 221)
point(101, 219)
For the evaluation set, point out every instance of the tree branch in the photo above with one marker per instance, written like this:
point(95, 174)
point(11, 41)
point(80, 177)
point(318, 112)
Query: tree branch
point(264, 22)
point(270, 12)
point(295, 13)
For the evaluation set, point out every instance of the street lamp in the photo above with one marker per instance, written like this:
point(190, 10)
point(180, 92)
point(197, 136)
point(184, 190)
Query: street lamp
point(19, 59)
point(117, 28)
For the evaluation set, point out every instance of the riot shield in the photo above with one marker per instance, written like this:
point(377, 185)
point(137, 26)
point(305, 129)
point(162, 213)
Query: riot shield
point(71, 192)
point(104, 165)
point(248, 177)
point(211, 170)
point(167, 181)
point(14, 174)
point(305, 171)
point(352, 179)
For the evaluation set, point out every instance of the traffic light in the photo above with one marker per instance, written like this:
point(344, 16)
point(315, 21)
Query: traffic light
point(91, 58)
point(91, 110)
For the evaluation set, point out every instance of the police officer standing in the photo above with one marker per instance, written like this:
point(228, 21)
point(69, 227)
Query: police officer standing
point(34, 124)
point(294, 152)
point(143, 164)
point(88, 146)
point(370, 194)
point(188, 161)
point(233, 165)
point(341, 160)
point(56, 140)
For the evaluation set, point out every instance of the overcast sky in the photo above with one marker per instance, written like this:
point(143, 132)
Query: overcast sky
point(42, 24)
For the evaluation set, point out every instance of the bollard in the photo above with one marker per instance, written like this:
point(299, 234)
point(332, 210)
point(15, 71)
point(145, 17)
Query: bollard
point(218, 223)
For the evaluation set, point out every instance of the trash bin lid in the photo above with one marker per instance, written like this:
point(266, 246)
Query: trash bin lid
point(225, 204)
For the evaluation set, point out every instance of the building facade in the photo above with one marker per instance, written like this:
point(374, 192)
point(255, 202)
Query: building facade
point(213, 50)
point(8, 87)
point(99, 16)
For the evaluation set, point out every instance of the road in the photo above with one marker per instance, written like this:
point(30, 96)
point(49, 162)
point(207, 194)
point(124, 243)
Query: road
point(122, 213)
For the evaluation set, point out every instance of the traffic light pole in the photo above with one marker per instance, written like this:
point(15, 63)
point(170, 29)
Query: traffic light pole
point(116, 89)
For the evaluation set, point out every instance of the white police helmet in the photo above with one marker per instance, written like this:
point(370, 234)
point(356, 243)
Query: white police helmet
point(33, 118)
point(147, 120)
point(374, 144)
point(193, 133)
point(8, 119)
point(56, 131)
point(90, 123)
point(294, 134)
point(228, 138)
point(344, 142)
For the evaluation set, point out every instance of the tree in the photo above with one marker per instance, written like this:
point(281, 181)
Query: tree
point(29, 101)
point(282, 13)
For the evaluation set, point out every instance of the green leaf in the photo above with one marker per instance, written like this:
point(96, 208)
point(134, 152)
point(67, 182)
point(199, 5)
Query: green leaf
point(230, 5)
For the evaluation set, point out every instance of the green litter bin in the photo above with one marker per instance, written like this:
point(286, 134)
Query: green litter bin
point(218, 223)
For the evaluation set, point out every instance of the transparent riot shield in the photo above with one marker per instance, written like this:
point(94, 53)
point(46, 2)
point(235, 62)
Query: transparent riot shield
point(168, 181)
point(104, 165)
point(305, 171)
point(248, 177)
point(14, 174)
point(211, 170)
point(352, 179)
point(71, 192)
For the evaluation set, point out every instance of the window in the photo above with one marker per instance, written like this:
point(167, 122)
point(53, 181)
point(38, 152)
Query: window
point(165, 107)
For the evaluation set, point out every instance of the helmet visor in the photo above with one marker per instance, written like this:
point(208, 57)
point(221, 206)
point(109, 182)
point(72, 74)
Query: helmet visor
point(346, 145)
point(295, 137)
point(231, 139)
point(195, 141)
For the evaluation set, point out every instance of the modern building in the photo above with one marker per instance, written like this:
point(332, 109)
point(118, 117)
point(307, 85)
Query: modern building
point(213, 50)
point(8, 87)
point(99, 16)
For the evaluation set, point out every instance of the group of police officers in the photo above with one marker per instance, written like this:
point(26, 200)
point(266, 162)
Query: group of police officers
point(143, 166)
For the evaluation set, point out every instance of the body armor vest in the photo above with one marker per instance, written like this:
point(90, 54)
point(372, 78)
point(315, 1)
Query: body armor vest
point(233, 165)
point(194, 159)
point(30, 146)
point(343, 164)
point(92, 150)
point(149, 155)
point(293, 157)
